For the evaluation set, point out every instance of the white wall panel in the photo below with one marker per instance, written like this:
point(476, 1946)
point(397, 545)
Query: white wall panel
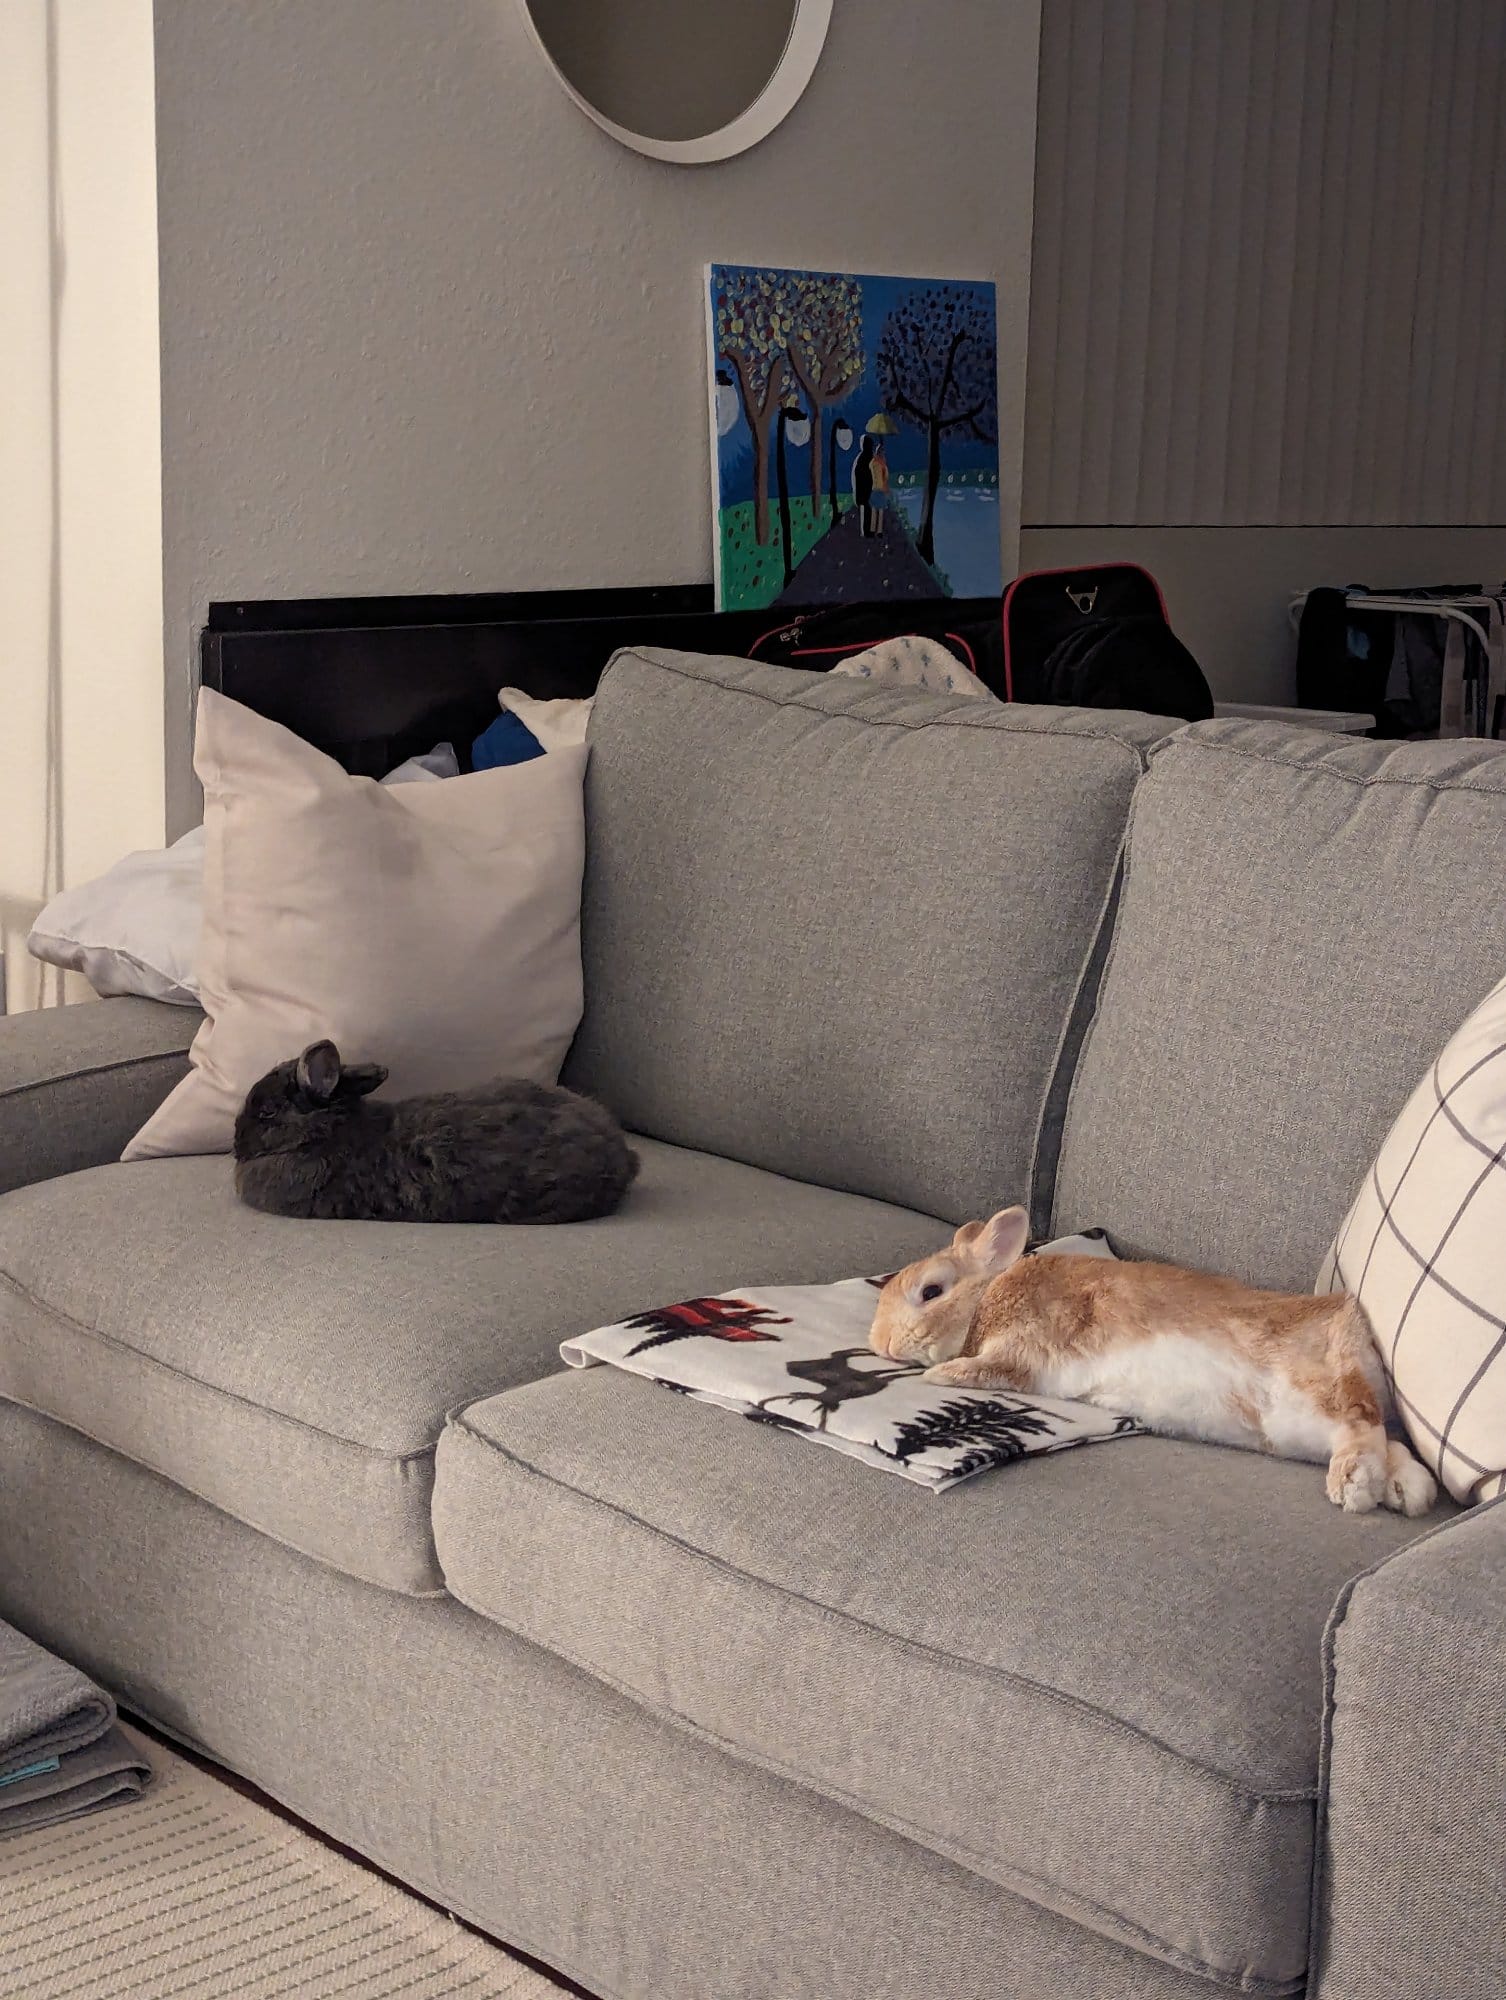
point(1269, 276)
point(80, 458)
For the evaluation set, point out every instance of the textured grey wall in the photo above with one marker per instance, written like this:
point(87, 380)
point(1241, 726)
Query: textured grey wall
point(426, 328)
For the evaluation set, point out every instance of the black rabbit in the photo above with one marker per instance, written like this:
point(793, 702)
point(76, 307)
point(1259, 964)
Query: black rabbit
point(308, 1142)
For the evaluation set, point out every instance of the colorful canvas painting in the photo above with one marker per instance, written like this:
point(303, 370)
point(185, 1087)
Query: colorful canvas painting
point(854, 437)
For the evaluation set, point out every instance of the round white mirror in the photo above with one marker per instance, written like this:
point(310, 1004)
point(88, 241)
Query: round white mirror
point(689, 80)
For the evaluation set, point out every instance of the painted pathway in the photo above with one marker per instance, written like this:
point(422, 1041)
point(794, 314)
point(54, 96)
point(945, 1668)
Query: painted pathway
point(844, 568)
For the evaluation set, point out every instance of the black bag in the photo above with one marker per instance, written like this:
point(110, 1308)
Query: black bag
point(1099, 638)
point(1127, 663)
point(967, 626)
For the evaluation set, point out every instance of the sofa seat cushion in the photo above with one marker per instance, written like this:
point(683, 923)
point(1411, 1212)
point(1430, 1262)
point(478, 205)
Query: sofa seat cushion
point(297, 1374)
point(1094, 1678)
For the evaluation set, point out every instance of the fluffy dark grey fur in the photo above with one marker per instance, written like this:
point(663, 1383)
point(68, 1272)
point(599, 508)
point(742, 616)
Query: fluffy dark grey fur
point(309, 1143)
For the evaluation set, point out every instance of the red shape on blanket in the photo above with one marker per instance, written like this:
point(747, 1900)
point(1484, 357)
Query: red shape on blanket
point(709, 1319)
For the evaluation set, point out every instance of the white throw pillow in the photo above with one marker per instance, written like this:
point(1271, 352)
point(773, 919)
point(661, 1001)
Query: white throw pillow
point(554, 725)
point(1424, 1250)
point(913, 661)
point(433, 928)
point(135, 929)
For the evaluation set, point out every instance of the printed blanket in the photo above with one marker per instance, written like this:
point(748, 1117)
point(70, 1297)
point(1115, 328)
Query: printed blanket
point(798, 1356)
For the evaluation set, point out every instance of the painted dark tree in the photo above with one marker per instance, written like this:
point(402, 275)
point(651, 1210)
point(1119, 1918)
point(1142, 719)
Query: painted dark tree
point(825, 349)
point(938, 374)
point(755, 315)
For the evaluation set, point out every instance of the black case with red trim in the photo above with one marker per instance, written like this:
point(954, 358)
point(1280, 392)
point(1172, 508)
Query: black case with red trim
point(967, 626)
point(1098, 637)
point(1089, 638)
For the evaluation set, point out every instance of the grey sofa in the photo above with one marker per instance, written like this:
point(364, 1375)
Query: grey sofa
point(690, 1709)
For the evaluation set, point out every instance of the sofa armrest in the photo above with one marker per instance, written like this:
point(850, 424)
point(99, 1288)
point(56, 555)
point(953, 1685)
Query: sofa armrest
point(1410, 1901)
point(77, 1082)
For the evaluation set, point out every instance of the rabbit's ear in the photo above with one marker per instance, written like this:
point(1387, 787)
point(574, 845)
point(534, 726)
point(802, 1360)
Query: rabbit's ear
point(1000, 1240)
point(360, 1079)
point(318, 1072)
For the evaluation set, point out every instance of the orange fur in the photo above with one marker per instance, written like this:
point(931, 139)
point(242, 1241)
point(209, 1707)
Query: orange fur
point(1184, 1351)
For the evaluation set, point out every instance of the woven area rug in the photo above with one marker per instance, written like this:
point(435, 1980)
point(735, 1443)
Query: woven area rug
point(195, 1892)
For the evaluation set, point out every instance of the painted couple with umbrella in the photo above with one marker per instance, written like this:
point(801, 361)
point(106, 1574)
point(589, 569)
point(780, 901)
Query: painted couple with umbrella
point(870, 474)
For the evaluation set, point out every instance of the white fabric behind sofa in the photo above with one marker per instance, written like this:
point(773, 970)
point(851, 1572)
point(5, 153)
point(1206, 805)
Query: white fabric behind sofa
point(135, 929)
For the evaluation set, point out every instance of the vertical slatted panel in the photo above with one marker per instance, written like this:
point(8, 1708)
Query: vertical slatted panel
point(1294, 363)
point(1042, 459)
point(1147, 84)
point(1483, 337)
point(1262, 165)
point(1482, 472)
point(1181, 350)
point(1387, 358)
point(1269, 279)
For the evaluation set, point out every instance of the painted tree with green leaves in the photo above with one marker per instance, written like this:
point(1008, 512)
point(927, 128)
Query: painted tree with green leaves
point(754, 319)
point(825, 347)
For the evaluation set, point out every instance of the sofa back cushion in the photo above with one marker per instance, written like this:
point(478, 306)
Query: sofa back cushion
point(837, 931)
point(1303, 924)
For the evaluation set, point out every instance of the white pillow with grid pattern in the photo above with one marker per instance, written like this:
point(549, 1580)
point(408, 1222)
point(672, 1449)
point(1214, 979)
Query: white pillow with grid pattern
point(1422, 1250)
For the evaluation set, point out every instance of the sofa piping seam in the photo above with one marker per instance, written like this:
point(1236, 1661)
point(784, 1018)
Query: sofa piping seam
point(1183, 738)
point(987, 1868)
point(1198, 743)
point(1090, 1032)
point(1105, 922)
point(1280, 1796)
point(113, 1340)
point(1138, 754)
point(113, 1068)
point(437, 1894)
point(1337, 1619)
point(429, 1594)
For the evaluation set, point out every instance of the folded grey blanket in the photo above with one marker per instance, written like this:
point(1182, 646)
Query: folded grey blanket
point(60, 1749)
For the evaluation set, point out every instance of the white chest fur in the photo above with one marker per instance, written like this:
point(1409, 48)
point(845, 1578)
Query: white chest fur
point(1187, 1387)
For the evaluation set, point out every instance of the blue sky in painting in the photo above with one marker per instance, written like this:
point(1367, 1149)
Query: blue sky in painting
point(906, 452)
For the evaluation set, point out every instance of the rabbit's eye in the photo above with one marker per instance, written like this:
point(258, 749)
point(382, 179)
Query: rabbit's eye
point(929, 1292)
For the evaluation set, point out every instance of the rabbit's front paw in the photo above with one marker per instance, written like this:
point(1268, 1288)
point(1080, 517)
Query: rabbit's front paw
point(962, 1373)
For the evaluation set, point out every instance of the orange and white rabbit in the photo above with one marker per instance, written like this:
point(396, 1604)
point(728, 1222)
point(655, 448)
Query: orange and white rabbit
point(1188, 1354)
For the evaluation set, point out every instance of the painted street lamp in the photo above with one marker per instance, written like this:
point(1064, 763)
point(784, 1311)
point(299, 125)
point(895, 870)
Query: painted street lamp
point(841, 440)
point(795, 425)
point(726, 402)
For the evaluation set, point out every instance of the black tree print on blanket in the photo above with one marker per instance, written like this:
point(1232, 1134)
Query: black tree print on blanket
point(836, 1380)
point(998, 1430)
point(706, 1319)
